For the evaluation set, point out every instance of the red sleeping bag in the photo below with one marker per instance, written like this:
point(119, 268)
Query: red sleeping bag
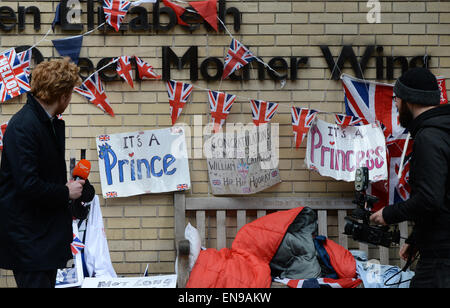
point(246, 264)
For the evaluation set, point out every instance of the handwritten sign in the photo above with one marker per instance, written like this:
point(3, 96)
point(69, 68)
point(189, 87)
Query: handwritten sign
point(143, 162)
point(249, 170)
point(335, 151)
point(166, 281)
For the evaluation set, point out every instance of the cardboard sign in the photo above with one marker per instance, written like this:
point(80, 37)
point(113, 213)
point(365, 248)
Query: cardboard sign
point(249, 170)
point(166, 281)
point(143, 162)
point(338, 151)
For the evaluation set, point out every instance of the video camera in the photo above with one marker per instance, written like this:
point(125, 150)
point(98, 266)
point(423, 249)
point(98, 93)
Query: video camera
point(358, 224)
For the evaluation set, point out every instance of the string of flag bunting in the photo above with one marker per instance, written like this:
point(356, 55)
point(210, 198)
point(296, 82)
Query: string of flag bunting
point(365, 101)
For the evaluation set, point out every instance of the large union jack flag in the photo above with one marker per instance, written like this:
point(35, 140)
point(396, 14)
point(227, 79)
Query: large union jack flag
point(220, 105)
point(320, 283)
point(301, 122)
point(93, 90)
point(262, 111)
point(115, 11)
point(237, 57)
point(348, 120)
point(375, 103)
point(145, 70)
point(25, 61)
point(124, 69)
point(2, 133)
point(14, 78)
point(179, 94)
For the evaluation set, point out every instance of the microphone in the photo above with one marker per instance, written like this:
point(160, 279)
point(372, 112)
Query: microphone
point(81, 170)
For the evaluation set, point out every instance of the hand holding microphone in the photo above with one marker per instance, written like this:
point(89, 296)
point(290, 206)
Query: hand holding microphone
point(80, 187)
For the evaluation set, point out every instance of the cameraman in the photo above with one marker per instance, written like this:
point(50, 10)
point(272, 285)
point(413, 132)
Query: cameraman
point(35, 217)
point(418, 101)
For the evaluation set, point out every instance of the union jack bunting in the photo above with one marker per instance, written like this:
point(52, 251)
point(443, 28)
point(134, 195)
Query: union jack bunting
point(25, 61)
point(145, 70)
point(220, 104)
point(14, 78)
point(346, 120)
point(301, 122)
point(179, 94)
point(262, 111)
point(93, 90)
point(237, 57)
point(124, 69)
point(2, 133)
point(115, 11)
point(442, 87)
point(77, 246)
point(320, 283)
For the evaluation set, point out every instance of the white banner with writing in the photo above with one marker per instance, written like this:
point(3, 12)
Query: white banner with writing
point(337, 151)
point(144, 162)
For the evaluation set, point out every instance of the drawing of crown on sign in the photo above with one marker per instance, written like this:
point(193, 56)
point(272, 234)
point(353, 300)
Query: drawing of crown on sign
point(182, 187)
point(104, 138)
point(111, 194)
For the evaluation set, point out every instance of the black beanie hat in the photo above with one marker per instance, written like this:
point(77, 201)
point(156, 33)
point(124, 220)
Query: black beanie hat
point(418, 86)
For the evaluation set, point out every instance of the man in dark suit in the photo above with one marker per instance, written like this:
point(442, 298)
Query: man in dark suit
point(35, 207)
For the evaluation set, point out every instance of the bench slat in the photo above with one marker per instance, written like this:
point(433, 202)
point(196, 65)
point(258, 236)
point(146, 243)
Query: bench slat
point(343, 239)
point(322, 221)
point(201, 225)
point(241, 219)
point(221, 230)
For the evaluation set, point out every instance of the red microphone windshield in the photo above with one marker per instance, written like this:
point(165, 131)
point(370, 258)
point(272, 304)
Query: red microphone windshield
point(82, 169)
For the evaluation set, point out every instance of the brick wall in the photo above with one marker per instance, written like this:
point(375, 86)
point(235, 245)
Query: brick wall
point(140, 229)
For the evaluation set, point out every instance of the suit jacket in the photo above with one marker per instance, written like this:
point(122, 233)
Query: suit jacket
point(35, 219)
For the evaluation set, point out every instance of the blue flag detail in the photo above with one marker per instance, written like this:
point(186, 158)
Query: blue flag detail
point(69, 47)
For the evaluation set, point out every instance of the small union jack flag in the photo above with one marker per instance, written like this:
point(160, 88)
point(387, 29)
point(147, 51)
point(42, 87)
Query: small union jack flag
point(237, 57)
point(220, 104)
point(111, 194)
point(93, 90)
point(104, 138)
point(145, 70)
point(263, 111)
point(14, 78)
point(2, 133)
point(77, 246)
point(182, 187)
point(115, 12)
point(348, 120)
point(179, 94)
point(124, 69)
point(301, 122)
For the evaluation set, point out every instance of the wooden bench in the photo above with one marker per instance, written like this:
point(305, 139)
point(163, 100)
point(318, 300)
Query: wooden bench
point(331, 214)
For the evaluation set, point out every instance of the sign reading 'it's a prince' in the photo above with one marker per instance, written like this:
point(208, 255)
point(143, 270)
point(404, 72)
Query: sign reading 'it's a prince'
point(144, 162)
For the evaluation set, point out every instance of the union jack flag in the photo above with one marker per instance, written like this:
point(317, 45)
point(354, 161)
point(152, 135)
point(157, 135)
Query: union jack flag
point(319, 283)
point(93, 90)
point(346, 120)
point(182, 187)
point(111, 194)
point(263, 111)
point(374, 102)
point(14, 78)
point(442, 87)
point(104, 138)
point(2, 133)
point(179, 94)
point(25, 60)
point(77, 246)
point(237, 57)
point(115, 11)
point(220, 104)
point(124, 69)
point(145, 70)
point(301, 122)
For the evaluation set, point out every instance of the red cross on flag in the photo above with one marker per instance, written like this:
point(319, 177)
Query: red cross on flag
point(179, 94)
point(124, 69)
point(115, 12)
point(237, 57)
point(301, 122)
point(220, 104)
point(93, 90)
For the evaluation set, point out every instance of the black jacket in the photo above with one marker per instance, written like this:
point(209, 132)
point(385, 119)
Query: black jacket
point(429, 203)
point(35, 219)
